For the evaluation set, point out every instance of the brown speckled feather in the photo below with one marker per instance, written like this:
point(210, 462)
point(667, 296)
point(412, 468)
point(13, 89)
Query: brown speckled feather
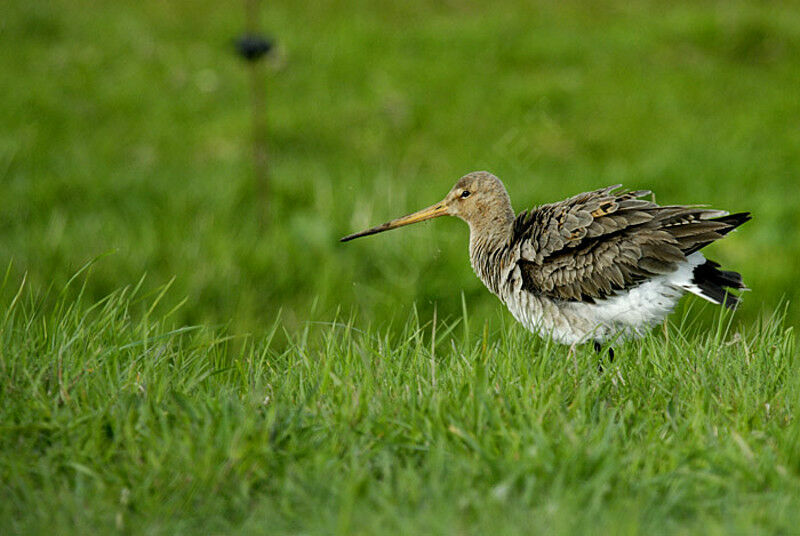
point(597, 243)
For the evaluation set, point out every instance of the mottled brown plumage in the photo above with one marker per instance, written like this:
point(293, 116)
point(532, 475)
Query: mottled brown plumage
point(595, 266)
point(598, 243)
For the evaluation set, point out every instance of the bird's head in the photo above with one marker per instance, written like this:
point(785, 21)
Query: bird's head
point(475, 197)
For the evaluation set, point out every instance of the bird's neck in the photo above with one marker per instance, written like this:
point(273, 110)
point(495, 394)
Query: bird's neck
point(489, 246)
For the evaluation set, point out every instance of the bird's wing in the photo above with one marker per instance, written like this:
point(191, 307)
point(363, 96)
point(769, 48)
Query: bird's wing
point(598, 243)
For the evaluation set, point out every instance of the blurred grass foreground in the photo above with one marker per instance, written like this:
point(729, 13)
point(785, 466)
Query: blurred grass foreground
point(184, 372)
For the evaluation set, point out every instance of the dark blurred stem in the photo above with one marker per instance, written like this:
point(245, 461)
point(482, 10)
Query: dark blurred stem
point(259, 112)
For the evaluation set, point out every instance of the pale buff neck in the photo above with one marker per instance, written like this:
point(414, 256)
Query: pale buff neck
point(489, 241)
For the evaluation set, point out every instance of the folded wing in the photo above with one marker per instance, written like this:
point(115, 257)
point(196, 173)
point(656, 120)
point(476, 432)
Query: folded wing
point(598, 243)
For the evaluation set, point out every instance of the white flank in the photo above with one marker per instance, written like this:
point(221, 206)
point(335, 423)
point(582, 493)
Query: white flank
point(628, 314)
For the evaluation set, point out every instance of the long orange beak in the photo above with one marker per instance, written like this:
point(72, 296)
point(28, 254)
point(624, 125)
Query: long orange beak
point(433, 211)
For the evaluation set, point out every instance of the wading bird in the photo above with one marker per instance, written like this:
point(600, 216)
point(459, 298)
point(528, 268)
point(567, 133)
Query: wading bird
point(593, 268)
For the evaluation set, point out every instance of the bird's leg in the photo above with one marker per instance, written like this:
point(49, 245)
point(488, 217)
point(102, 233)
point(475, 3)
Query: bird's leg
point(598, 348)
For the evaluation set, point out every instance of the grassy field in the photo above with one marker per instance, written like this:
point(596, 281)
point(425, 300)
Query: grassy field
point(207, 373)
point(117, 422)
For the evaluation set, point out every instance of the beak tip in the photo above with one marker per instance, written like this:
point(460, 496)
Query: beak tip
point(350, 237)
point(433, 211)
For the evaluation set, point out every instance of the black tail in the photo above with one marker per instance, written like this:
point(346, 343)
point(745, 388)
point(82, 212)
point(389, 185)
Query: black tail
point(729, 222)
point(714, 283)
point(734, 220)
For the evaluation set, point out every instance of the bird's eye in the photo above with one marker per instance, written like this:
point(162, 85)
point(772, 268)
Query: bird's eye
point(464, 194)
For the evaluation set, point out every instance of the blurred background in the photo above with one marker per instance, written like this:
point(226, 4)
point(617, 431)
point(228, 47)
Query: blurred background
point(126, 127)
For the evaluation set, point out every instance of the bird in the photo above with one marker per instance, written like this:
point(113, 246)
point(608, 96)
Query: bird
point(601, 266)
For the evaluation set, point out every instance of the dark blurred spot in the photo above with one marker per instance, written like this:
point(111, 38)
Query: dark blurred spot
point(746, 40)
point(752, 42)
point(253, 47)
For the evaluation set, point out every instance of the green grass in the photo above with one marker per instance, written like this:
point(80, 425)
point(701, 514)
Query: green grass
point(113, 420)
point(217, 375)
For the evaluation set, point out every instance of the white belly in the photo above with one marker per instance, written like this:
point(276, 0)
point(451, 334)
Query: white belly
point(627, 315)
